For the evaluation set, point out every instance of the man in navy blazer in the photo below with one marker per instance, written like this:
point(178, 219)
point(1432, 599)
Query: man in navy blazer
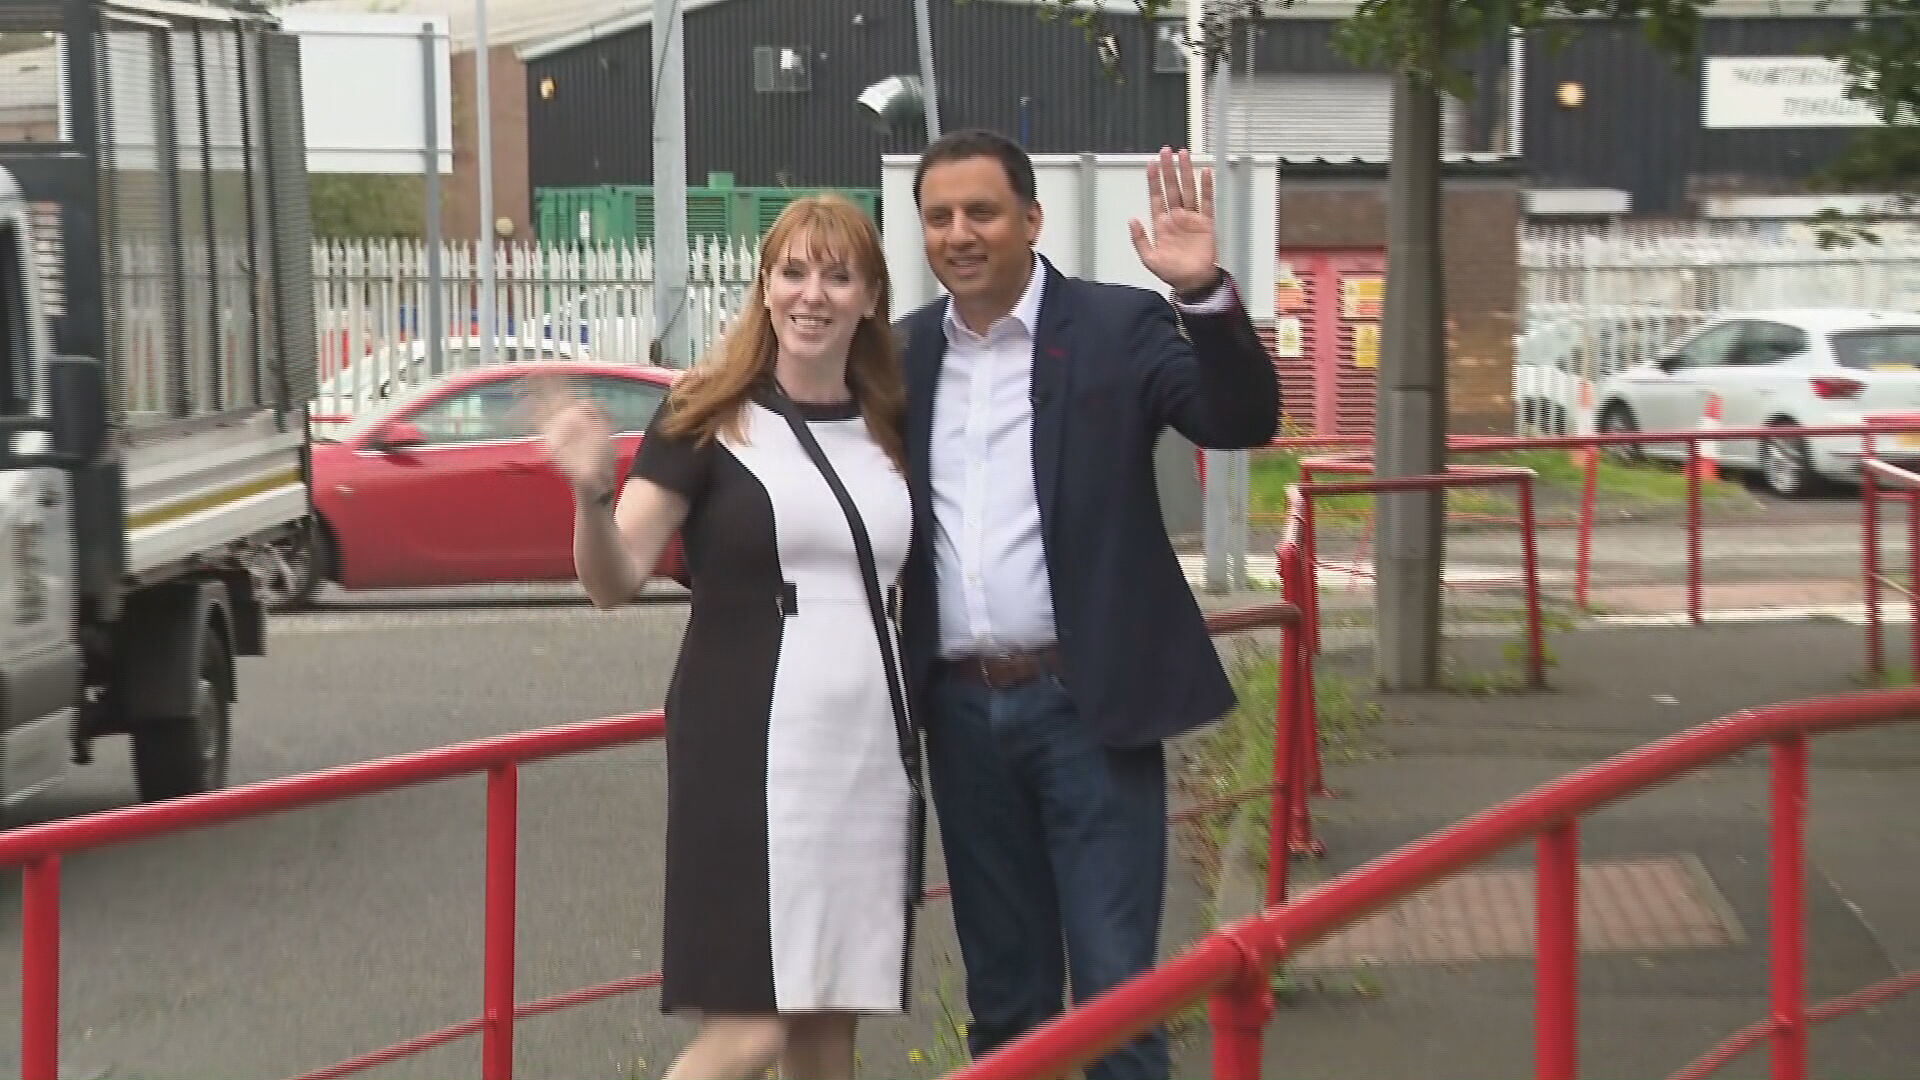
point(1050, 636)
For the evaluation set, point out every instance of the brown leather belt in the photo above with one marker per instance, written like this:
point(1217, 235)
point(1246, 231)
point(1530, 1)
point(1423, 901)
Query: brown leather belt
point(1006, 671)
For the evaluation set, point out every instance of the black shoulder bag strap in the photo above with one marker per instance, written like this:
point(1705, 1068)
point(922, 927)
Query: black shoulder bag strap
point(876, 603)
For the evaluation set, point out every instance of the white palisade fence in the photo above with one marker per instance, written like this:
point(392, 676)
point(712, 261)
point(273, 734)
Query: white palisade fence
point(564, 301)
point(1593, 304)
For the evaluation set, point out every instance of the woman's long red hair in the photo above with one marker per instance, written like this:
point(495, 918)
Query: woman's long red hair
point(713, 394)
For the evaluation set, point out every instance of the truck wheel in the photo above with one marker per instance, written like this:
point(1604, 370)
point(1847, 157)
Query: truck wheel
point(189, 755)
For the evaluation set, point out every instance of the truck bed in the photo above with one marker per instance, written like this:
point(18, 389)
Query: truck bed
point(189, 493)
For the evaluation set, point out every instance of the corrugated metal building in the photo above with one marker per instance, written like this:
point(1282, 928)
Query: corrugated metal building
point(1295, 95)
point(1613, 127)
point(771, 89)
point(1603, 124)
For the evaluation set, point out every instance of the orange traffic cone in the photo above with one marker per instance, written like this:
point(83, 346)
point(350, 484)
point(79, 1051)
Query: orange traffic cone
point(1582, 423)
point(1709, 450)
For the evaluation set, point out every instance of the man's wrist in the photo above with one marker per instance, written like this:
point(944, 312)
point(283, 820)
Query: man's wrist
point(1200, 287)
point(1198, 292)
point(1217, 298)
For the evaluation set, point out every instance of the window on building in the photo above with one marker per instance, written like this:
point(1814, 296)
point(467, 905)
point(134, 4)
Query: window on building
point(1170, 52)
point(781, 69)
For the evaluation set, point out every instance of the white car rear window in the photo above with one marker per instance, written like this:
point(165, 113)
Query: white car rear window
point(1894, 349)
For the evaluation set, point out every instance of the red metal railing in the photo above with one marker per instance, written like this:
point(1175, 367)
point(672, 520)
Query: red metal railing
point(1587, 447)
point(1456, 476)
point(1297, 767)
point(1879, 483)
point(38, 850)
point(1229, 967)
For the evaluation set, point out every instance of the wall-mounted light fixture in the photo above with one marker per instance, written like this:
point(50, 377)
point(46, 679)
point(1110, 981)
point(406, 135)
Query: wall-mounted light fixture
point(547, 88)
point(1571, 95)
point(894, 101)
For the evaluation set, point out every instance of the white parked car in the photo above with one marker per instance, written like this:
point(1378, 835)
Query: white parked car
point(1784, 369)
point(1563, 350)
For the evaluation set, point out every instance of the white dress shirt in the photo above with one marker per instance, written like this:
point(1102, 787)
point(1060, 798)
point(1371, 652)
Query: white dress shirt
point(995, 596)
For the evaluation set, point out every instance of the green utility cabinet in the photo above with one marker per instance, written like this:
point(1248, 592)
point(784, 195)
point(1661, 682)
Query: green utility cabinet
point(611, 213)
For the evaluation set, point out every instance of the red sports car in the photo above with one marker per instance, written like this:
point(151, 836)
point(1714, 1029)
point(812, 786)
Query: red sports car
point(448, 486)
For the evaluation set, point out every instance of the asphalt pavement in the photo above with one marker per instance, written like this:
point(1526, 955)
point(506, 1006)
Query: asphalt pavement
point(1674, 909)
point(281, 945)
point(277, 946)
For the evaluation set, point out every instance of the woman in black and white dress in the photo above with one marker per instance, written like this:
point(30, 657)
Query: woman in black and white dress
point(793, 826)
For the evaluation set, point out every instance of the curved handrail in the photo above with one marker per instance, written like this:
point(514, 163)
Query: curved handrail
point(1503, 443)
point(39, 848)
point(1245, 950)
point(31, 842)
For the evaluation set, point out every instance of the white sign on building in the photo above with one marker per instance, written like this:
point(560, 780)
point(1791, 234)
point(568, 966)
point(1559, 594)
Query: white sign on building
point(1779, 92)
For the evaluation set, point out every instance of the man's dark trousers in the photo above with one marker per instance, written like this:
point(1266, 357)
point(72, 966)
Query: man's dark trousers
point(1046, 832)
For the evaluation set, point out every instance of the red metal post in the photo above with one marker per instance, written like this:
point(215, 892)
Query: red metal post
point(1306, 778)
point(1913, 575)
point(1306, 579)
point(1309, 602)
point(1557, 954)
point(1305, 736)
point(1788, 952)
point(1870, 558)
point(40, 969)
point(1694, 558)
point(1313, 782)
point(1530, 568)
point(1238, 1013)
point(1286, 723)
point(503, 796)
point(1583, 542)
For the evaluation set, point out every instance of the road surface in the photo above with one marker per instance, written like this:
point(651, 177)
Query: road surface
point(273, 947)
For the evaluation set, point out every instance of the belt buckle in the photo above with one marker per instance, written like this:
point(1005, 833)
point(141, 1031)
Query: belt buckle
point(1021, 668)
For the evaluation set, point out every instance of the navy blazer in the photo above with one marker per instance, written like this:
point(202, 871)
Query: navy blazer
point(1112, 369)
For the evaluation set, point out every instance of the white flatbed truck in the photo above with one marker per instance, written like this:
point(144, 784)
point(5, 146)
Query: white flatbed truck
point(156, 309)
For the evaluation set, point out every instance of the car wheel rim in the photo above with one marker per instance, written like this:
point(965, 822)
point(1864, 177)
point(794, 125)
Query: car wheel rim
point(1615, 422)
point(1783, 466)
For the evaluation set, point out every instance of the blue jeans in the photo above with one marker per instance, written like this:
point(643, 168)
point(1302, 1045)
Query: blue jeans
point(1050, 838)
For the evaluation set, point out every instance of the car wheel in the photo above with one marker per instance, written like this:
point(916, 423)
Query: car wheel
point(1618, 419)
point(1785, 465)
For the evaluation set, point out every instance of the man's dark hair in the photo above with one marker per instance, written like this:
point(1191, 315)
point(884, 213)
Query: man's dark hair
point(977, 142)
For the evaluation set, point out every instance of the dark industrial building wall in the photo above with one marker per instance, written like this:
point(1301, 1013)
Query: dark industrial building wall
point(999, 65)
point(1638, 128)
point(1288, 46)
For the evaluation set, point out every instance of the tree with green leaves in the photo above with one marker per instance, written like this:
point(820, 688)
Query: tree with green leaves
point(1883, 58)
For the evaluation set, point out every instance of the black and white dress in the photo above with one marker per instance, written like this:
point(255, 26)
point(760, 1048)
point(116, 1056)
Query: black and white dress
point(788, 805)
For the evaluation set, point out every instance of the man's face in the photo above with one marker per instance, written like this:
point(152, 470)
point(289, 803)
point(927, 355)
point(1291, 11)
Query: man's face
point(977, 231)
